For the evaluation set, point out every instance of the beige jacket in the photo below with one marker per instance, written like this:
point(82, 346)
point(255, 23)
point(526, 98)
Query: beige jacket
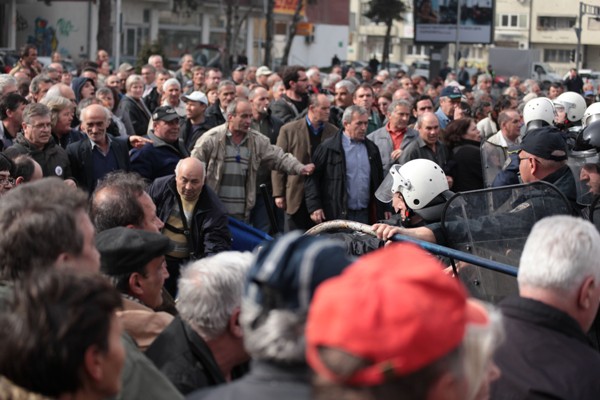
point(210, 149)
point(143, 323)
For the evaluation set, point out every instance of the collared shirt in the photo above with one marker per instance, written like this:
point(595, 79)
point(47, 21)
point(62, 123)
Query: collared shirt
point(442, 118)
point(102, 162)
point(358, 173)
point(397, 136)
point(311, 128)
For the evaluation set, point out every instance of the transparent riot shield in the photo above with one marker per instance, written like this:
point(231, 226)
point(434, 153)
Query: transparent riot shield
point(494, 224)
point(493, 158)
point(578, 160)
point(593, 212)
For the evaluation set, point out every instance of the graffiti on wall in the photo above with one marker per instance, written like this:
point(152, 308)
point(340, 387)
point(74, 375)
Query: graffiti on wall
point(22, 23)
point(65, 27)
point(44, 37)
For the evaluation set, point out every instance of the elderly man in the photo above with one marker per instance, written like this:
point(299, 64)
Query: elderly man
point(153, 98)
point(495, 148)
point(359, 357)
point(53, 214)
point(301, 138)
point(217, 111)
point(428, 145)
point(347, 173)
point(134, 261)
point(195, 122)
point(184, 74)
point(194, 218)
point(8, 84)
point(172, 96)
point(204, 344)
point(159, 158)
point(11, 113)
point(274, 331)
point(233, 152)
point(39, 87)
point(393, 138)
point(559, 295)
point(149, 76)
point(36, 140)
point(92, 159)
point(295, 99)
point(449, 100)
point(156, 61)
point(344, 91)
point(26, 170)
point(7, 174)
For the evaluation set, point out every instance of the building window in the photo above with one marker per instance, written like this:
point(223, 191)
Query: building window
point(416, 50)
point(557, 55)
point(555, 23)
point(511, 21)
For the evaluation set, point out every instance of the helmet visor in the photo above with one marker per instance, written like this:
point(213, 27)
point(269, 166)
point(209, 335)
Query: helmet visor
point(391, 184)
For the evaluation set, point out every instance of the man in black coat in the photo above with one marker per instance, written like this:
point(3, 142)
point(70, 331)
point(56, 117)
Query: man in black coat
point(546, 353)
point(91, 159)
point(194, 217)
point(216, 112)
point(204, 346)
point(574, 83)
point(348, 171)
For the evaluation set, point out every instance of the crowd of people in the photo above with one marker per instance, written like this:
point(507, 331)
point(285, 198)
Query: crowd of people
point(117, 274)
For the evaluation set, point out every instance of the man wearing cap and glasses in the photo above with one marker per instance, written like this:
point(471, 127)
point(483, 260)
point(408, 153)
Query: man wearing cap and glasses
point(160, 157)
point(195, 122)
point(449, 100)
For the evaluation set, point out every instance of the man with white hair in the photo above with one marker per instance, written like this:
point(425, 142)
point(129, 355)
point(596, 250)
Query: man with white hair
point(194, 217)
point(314, 80)
point(8, 84)
point(274, 330)
point(172, 96)
point(204, 344)
point(546, 353)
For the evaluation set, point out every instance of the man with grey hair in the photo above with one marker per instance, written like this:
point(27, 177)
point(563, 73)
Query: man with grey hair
point(344, 91)
point(8, 84)
point(39, 87)
point(273, 315)
point(204, 344)
point(36, 140)
point(194, 217)
point(172, 97)
point(100, 154)
point(226, 93)
point(393, 138)
point(348, 171)
point(156, 61)
point(546, 353)
point(233, 153)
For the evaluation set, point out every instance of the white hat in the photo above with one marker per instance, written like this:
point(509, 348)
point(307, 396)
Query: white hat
point(263, 71)
point(196, 96)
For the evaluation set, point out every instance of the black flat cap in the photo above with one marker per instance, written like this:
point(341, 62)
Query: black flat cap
point(123, 250)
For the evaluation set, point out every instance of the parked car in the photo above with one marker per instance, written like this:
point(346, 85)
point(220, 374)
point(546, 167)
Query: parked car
point(8, 59)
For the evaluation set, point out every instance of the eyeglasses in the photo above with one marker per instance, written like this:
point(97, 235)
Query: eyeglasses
point(7, 180)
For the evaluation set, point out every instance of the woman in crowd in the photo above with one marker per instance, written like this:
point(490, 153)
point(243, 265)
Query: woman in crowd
point(463, 138)
point(133, 105)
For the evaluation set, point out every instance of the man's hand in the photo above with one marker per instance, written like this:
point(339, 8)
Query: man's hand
point(385, 231)
point(280, 202)
point(138, 142)
point(396, 154)
point(318, 216)
point(308, 169)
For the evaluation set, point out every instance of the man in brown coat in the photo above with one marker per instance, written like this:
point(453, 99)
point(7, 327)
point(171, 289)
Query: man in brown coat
point(300, 138)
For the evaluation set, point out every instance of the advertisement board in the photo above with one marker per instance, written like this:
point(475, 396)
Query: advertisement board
point(436, 21)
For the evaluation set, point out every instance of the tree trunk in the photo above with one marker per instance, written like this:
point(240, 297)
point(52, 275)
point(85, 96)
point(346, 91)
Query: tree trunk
point(104, 37)
point(291, 33)
point(386, 44)
point(269, 34)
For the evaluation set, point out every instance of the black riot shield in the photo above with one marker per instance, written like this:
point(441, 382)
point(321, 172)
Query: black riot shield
point(494, 224)
point(493, 158)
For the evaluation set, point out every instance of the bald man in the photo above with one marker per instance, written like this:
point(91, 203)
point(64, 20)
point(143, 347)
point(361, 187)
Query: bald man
point(194, 217)
point(92, 159)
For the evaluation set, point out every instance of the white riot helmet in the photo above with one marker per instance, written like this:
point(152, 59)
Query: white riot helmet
point(423, 186)
point(591, 114)
point(573, 103)
point(540, 109)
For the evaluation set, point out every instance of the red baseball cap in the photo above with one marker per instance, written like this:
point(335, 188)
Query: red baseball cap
point(394, 307)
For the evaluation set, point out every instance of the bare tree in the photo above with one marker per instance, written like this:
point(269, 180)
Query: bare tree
point(104, 36)
point(386, 11)
point(291, 32)
point(270, 28)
